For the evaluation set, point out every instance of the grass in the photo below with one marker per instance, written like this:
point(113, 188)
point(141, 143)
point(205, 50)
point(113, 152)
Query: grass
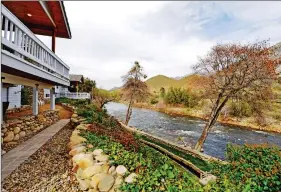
point(201, 164)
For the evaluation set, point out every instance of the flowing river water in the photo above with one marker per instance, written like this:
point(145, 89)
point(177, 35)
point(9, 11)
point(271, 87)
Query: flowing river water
point(190, 129)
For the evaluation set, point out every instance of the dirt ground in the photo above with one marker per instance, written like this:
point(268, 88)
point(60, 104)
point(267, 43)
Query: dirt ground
point(63, 113)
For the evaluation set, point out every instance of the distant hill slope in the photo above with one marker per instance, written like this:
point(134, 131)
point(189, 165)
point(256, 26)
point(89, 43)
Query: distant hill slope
point(187, 82)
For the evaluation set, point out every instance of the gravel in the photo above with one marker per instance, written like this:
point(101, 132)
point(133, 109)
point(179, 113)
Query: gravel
point(48, 169)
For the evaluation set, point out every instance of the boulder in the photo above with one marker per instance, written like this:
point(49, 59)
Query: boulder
point(10, 137)
point(82, 127)
point(97, 152)
point(101, 158)
point(75, 140)
point(207, 179)
point(96, 179)
point(83, 160)
point(22, 134)
point(90, 146)
point(131, 178)
point(111, 169)
point(16, 130)
point(17, 137)
point(90, 171)
point(74, 115)
point(105, 167)
point(106, 183)
point(84, 184)
point(4, 130)
point(77, 150)
point(121, 170)
point(119, 180)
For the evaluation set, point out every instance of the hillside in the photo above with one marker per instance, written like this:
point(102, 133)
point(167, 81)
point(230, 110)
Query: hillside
point(188, 82)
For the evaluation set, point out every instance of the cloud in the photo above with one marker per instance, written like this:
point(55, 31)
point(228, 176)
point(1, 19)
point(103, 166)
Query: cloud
point(166, 37)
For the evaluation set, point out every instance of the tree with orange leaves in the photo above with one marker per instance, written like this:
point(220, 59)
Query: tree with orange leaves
point(235, 70)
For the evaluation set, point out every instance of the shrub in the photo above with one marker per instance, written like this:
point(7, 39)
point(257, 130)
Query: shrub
point(181, 96)
point(154, 100)
point(240, 109)
point(259, 163)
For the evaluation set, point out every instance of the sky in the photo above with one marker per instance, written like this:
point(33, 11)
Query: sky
point(165, 37)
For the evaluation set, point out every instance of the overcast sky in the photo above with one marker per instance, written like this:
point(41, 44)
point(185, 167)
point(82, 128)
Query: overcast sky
point(165, 37)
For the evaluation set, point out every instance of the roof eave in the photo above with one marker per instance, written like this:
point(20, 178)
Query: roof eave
point(65, 19)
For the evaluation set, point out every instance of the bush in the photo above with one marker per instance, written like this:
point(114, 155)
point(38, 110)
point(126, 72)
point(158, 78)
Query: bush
point(258, 164)
point(181, 96)
point(154, 100)
point(240, 109)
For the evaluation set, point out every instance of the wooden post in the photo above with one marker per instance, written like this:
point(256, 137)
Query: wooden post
point(54, 41)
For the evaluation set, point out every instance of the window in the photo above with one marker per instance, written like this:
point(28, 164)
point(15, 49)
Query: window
point(47, 95)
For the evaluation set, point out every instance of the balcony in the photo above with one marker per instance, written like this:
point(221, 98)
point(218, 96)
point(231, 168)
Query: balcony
point(72, 95)
point(23, 54)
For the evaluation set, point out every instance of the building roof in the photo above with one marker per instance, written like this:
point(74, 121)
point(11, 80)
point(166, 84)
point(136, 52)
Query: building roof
point(77, 78)
point(41, 17)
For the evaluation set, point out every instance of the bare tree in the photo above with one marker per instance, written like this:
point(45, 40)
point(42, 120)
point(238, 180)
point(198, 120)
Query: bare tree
point(134, 89)
point(235, 70)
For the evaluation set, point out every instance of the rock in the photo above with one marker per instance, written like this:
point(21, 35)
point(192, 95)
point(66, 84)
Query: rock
point(17, 137)
point(82, 127)
point(4, 130)
point(3, 152)
point(22, 134)
point(41, 126)
point(101, 158)
point(90, 146)
point(77, 150)
point(75, 140)
point(114, 173)
point(112, 168)
point(96, 179)
point(119, 180)
point(83, 160)
point(74, 115)
point(16, 130)
point(106, 183)
point(131, 178)
point(73, 120)
point(93, 190)
point(10, 137)
point(207, 179)
point(105, 168)
point(90, 171)
point(12, 143)
point(97, 152)
point(84, 184)
point(121, 170)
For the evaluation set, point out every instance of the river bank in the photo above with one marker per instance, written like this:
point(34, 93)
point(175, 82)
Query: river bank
point(229, 121)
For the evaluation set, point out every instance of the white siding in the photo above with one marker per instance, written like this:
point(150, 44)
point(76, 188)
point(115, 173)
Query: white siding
point(14, 96)
point(46, 93)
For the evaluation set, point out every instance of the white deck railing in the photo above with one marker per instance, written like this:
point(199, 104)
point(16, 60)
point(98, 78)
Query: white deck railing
point(21, 41)
point(70, 95)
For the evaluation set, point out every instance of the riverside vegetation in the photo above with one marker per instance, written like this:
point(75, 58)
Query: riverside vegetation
point(249, 167)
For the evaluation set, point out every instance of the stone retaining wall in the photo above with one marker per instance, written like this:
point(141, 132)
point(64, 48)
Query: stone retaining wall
point(19, 109)
point(14, 130)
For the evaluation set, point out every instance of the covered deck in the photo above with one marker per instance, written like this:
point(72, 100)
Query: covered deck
point(25, 59)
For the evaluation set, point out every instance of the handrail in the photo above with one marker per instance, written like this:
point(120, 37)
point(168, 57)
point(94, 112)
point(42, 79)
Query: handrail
point(24, 43)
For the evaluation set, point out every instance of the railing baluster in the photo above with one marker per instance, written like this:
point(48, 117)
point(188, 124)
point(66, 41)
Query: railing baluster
point(6, 28)
point(11, 32)
point(16, 36)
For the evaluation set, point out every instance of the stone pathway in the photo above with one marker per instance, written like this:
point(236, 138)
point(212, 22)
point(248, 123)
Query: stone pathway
point(13, 159)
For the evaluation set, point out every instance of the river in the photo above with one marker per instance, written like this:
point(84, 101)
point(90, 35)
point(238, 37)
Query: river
point(170, 128)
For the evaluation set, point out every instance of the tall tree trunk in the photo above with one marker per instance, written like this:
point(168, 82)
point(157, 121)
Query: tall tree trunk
point(129, 112)
point(213, 118)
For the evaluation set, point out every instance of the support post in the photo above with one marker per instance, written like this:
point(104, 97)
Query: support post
point(52, 98)
point(1, 105)
point(54, 41)
point(35, 100)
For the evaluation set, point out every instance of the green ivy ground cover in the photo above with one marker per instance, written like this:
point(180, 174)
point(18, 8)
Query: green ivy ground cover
point(203, 165)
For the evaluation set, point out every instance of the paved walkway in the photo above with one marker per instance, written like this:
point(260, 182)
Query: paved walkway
point(15, 157)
